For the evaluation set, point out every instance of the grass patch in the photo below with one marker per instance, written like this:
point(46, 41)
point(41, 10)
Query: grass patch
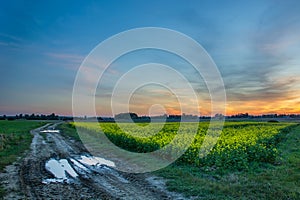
point(68, 129)
point(15, 138)
point(264, 181)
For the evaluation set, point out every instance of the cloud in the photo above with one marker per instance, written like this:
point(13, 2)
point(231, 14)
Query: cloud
point(74, 58)
point(4, 44)
point(12, 38)
point(278, 31)
point(278, 96)
point(264, 78)
point(11, 41)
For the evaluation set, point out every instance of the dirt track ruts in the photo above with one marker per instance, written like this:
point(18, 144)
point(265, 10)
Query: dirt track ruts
point(23, 180)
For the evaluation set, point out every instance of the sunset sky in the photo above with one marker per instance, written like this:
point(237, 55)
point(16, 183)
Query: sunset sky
point(255, 45)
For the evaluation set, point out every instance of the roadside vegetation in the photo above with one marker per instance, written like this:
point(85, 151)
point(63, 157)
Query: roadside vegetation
point(15, 138)
point(251, 160)
point(68, 129)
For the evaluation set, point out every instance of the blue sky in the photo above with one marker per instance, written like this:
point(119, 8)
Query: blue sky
point(255, 44)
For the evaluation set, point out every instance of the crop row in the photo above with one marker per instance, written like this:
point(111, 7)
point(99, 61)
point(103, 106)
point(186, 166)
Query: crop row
point(240, 145)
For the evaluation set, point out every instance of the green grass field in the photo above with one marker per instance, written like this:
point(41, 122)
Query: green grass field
point(15, 139)
point(251, 160)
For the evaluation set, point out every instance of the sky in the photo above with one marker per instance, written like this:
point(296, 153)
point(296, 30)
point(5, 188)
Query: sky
point(254, 44)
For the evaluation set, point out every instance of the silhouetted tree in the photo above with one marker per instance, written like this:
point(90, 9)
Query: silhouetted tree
point(126, 116)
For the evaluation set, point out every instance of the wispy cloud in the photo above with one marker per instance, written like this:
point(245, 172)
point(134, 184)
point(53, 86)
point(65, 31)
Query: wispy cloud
point(66, 57)
point(11, 41)
point(66, 60)
point(11, 37)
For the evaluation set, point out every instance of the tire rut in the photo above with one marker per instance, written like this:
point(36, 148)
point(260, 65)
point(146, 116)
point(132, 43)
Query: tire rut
point(90, 182)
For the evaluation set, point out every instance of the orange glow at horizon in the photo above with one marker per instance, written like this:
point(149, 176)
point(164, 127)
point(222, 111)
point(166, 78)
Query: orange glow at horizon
point(287, 102)
point(257, 107)
point(261, 107)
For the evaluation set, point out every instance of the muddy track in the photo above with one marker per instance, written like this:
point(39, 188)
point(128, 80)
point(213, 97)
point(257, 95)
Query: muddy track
point(32, 178)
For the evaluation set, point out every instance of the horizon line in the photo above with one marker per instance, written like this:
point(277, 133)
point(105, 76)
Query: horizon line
point(105, 116)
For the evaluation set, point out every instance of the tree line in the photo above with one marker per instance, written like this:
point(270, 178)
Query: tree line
point(136, 118)
point(33, 116)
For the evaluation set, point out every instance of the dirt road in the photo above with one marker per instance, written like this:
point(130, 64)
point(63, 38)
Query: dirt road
point(57, 167)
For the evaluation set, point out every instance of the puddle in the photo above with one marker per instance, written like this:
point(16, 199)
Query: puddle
point(50, 131)
point(63, 171)
point(75, 162)
point(54, 180)
point(96, 161)
point(60, 169)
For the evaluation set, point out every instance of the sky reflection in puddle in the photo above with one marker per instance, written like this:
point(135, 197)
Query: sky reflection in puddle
point(65, 171)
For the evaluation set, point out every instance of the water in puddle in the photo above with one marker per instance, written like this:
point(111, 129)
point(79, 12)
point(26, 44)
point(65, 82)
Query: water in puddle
point(96, 161)
point(63, 171)
point(49, 131)
point(75, 162)
point(60, 169)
